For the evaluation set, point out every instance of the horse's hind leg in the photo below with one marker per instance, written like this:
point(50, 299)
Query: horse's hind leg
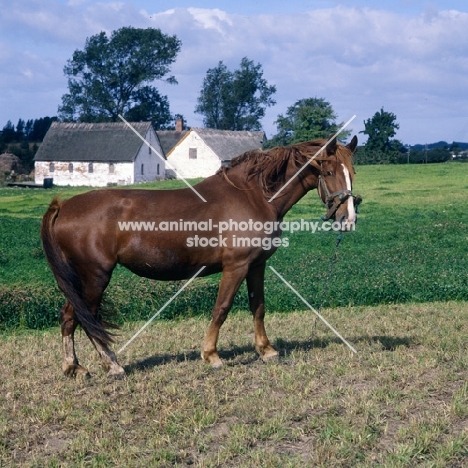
point(255, 287)
point(70, 365)
point(93, 289)
point(108, 360)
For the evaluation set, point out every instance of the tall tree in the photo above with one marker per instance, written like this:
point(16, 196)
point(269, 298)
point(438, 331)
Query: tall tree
point(380, 130)
point(41, 127)
point(28, 128)
point(20, 132)
point(113, 76)
point(307, 119)
point(235, 100)
point(8, 132)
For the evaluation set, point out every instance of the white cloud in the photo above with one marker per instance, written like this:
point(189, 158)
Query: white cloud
point(211, 19)
point(359, 59)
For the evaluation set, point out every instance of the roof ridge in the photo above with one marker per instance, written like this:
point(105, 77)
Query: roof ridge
point(92, 141)
point(98, 125)
point(233, 132)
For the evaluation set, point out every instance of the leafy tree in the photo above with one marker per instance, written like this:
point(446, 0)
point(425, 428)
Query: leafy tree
point(113, 76)
point(380, 146)
point(150, 105)
point(215, 96)
point(434, 155)
point(235, 100)
point(307, 119)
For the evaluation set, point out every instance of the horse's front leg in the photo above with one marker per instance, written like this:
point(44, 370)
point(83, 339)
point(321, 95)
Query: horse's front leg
point(70, 365)
point(230, 282)
point(255, 287)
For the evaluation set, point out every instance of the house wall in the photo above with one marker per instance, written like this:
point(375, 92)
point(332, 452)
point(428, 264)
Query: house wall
point(154, 166)
point(124, 173)
point(100, 177)
point(206, 163)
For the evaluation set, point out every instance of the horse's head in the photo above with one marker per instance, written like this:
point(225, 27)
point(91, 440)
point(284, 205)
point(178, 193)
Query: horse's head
point(335, 182)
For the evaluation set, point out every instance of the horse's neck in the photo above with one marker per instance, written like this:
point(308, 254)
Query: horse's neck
point(293, 189)
point(283, 198)
point(288, 197)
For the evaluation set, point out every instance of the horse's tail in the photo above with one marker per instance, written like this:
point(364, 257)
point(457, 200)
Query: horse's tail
point(68, 279)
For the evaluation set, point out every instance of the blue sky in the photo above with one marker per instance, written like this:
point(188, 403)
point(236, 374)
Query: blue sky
point(255, 7)
point(408, 56)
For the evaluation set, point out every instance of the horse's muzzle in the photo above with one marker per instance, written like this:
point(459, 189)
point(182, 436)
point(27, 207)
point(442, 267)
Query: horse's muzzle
point(334, 201)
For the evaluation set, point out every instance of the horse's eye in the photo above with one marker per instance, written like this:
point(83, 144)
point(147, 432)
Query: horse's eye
point(330, 173)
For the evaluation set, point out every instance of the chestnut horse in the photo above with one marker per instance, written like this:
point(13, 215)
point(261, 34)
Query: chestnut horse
point(85, 237)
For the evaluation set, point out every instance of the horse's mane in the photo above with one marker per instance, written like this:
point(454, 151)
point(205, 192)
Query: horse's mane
point(271, 165)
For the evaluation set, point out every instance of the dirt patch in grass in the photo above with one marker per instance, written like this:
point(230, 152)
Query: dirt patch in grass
point(401, 401)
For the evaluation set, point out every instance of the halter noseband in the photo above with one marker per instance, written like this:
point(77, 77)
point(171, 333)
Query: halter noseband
point(334, 200)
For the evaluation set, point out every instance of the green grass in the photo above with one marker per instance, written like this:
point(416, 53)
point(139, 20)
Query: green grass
point(410, 242)
point(410, 245)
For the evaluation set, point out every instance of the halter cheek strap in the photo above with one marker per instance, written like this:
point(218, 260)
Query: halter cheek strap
point(335, 199)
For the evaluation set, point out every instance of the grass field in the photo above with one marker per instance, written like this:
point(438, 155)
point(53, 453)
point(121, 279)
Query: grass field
point(402, 401)
point(410, 245)
point(398, 292)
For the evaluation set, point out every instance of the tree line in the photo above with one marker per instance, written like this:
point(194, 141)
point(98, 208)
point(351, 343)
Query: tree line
point(23, 139)
point(32, 130)
point(115, 75)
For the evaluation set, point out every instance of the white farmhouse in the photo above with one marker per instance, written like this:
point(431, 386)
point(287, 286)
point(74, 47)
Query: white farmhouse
point(200, 152)
point(99, 154)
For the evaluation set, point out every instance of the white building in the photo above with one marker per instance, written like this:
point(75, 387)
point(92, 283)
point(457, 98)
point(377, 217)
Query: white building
point(99, 154)
point(200, 152)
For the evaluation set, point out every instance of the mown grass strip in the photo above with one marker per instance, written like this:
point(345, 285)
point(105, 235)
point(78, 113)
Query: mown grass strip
point(401, 402)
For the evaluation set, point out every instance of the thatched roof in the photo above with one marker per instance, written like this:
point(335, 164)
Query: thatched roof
point(169, 138)
point(229, 144)
point(108, 142)
point(9, 162)
point(225, 144)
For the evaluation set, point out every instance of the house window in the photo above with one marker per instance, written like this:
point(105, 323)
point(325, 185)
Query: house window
point(142, 169)
point(111, 168)
point(192, 154)
point(51, 167)
point(90, 168)
point(149, 149)
point(70, 167)
point(157, 169)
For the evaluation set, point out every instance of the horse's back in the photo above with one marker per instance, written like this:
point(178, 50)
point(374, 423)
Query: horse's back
point(126, 226)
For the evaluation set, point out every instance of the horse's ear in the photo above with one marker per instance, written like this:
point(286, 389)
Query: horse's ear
point(352, 144)
point(331, 147)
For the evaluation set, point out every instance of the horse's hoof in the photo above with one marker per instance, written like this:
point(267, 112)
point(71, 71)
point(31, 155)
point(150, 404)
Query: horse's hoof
point(75, 370)
point(116, 373)
point(270, 356)
point(212, 360)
